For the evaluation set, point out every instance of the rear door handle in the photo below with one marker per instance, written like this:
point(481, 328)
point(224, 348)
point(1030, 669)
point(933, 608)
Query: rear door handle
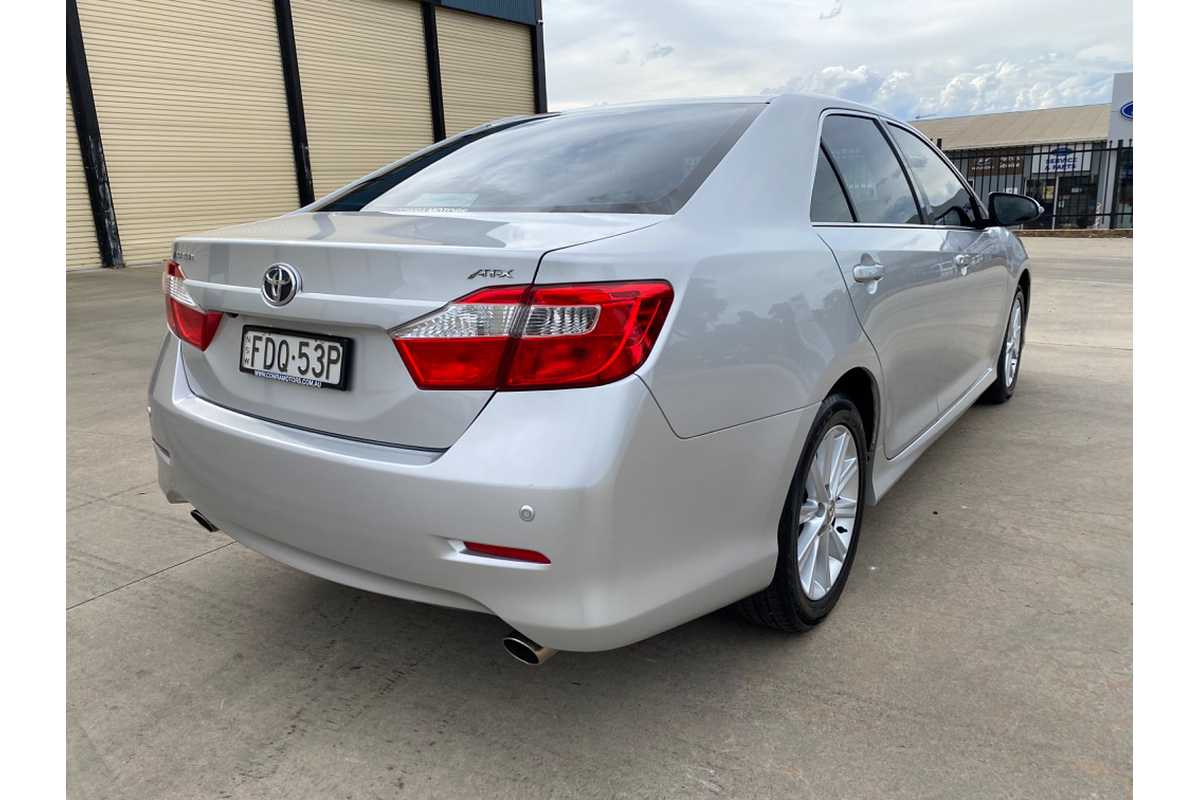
point(868, 273)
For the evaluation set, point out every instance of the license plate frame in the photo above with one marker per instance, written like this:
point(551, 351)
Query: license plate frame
point(346, 344)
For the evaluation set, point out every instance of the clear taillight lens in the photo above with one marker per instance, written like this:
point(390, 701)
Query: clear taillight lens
point(536, 337)
point(185, 318)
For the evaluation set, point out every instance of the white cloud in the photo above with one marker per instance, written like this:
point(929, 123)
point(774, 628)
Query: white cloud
point(833, 12)
point(658, 51)
point(1052, 80)
point(908, 58)
point(1043, 82)
point(860, 84)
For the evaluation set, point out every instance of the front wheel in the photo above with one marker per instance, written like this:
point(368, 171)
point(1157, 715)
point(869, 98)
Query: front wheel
point(818, 531)
point(1008, 366)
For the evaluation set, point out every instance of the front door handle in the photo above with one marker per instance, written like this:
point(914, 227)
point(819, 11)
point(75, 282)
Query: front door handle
point(868, 273)
point(963, 262)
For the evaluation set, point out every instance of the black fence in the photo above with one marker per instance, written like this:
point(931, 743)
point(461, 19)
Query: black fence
point(1080, 184)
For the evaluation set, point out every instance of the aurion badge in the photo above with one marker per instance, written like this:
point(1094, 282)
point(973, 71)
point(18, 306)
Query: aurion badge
point(280, 284)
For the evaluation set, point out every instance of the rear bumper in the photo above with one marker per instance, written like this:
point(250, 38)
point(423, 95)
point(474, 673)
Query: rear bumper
point(644, 530)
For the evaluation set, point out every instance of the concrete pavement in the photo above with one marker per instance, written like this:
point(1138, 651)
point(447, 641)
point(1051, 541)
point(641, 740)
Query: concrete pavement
point(982, 647)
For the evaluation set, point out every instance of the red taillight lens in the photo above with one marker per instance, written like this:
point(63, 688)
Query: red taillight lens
point(185, 318)
point(537, 337)
point(587, 335)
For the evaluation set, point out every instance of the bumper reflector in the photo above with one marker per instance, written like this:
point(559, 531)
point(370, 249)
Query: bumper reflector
point(499, 551)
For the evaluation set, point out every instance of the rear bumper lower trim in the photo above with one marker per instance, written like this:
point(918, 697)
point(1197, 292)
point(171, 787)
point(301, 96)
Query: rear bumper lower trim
point(644, 530)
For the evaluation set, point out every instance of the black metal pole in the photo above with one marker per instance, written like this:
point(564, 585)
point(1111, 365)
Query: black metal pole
point(91, 149)
point(433, 68)
point(1115, 160)
point(295, 100)
point(538, 42)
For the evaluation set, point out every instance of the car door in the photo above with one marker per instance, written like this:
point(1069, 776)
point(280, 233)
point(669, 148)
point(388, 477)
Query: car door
point(898, 270)
point(975, 307)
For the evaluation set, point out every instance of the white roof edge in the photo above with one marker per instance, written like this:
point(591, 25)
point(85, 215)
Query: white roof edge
point(830, 100)
point(677, 101)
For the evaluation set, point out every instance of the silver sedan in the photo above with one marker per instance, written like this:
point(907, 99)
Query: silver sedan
point(597, 373)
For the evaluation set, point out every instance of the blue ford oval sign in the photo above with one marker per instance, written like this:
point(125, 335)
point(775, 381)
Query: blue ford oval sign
point(1127, 110)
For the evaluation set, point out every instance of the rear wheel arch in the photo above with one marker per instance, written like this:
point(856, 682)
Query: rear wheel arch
point(860, 386)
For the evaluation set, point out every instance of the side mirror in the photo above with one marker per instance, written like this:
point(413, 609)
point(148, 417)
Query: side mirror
point(1012, 209)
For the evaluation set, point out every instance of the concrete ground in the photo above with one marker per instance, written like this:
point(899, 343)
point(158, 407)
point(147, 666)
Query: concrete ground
point(981, 649)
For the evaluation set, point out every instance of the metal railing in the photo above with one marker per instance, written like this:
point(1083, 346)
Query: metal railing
point(1080, 184)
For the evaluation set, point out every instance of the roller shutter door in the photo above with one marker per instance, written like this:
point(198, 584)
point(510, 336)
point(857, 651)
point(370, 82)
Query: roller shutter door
point(82, 250)
point(487, 68)
point(366, 90)
point(192, 112)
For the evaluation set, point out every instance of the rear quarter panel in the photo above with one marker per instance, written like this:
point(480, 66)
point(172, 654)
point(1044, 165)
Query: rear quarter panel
point(753, 330)
point(762, 322)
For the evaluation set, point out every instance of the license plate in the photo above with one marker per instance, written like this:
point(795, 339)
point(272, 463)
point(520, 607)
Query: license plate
point(305, 359)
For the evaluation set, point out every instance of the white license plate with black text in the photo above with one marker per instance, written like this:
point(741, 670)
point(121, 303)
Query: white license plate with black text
point(305, 359)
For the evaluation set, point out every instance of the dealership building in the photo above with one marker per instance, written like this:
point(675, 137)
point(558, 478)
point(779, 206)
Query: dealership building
point(186, 115)
point(1077, 161)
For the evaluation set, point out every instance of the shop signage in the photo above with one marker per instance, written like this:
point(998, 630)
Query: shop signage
point(1063, 159)
point(996, 165)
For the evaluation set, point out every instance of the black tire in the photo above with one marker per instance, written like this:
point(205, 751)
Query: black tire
point(1001, 390)
point(783, 605)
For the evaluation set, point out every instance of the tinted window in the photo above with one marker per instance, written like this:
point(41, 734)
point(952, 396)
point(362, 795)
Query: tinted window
point(828, 200)
point(642, 161)
point(949, 200)
point(869, 168)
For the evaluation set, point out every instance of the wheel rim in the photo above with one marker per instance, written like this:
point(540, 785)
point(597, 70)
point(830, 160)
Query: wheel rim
point(829, 512)
point(1012, 344)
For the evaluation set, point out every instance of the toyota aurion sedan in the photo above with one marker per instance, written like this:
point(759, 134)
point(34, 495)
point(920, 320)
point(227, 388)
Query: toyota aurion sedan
point(596, 373)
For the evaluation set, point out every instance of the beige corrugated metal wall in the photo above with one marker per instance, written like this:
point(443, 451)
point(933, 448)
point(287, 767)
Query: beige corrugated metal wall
point(82, 250)
point(487, 68)
point(190, 98)
point(366, 91)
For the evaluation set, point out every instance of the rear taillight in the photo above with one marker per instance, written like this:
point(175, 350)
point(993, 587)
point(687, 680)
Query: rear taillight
point(536, 337)
point(185, 317)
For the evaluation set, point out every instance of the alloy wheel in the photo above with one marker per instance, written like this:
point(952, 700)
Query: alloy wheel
point(829, 512)
point(1012, 344)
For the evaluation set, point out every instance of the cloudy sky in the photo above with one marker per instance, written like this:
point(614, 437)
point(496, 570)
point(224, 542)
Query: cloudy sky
point(909, 58)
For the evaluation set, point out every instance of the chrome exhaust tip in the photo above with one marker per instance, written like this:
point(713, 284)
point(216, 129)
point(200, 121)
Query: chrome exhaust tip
point(526, 650)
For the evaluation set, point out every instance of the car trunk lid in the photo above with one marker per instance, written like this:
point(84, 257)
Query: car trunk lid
point(362, 274)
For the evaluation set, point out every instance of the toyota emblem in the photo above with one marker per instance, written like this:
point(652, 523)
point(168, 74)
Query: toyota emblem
point(280, 284)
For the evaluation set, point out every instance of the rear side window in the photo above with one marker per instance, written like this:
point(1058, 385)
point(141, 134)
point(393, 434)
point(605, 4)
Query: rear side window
point(869, 168)
point(949, 201)
point(635, 161)
point(828, 200)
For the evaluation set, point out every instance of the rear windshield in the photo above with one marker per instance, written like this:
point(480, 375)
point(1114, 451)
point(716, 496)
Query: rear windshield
point(636, 161)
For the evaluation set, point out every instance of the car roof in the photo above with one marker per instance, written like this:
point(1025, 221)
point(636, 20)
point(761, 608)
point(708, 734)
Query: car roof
point(825, 101)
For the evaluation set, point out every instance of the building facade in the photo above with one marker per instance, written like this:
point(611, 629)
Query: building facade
point(186, 115)
point(1077, 161)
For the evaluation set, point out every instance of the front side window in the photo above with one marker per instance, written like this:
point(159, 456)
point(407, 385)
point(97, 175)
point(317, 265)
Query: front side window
point(870, 170)
point(949, 201)
point(630, 161)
